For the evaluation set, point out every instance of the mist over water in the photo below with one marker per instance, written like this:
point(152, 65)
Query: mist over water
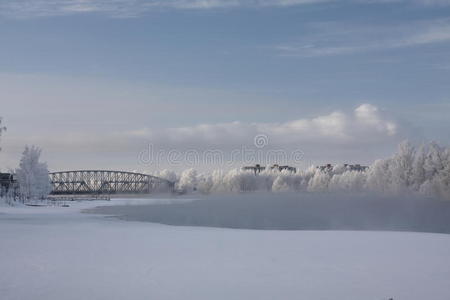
point(407, 192)
point(297, 211)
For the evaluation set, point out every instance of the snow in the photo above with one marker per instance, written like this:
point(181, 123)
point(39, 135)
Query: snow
point(59, 253)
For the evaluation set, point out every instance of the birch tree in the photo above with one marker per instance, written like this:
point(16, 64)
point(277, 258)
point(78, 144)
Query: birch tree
point(32, 175)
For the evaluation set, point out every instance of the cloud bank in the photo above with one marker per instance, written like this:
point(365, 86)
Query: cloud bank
point(359, 135)
point(365, 124)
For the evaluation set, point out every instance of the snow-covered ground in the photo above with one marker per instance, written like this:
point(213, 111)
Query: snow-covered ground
point(59, 253)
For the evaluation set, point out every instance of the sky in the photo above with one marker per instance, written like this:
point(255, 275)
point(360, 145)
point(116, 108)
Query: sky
point(131, 84)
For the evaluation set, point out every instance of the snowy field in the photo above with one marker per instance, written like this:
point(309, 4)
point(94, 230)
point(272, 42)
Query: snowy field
point(60, 253)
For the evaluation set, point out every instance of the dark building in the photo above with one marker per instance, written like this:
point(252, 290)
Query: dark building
point(325, 168)
point(258, 168)
point(8, 183)
point(348, 167)
point(356, 167)
point(282, 168)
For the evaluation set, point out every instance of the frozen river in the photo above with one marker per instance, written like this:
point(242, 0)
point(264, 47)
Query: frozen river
point(295, 212)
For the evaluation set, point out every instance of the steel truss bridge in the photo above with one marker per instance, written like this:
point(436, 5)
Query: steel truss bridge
point(94, 182)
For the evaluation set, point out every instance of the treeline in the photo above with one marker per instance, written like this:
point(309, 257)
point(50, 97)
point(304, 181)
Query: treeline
point(419, 170)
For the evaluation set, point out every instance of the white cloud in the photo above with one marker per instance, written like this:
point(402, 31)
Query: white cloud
point(366, 124)
point(369, 116)
point(327, 39)
point(435, 33)
point(433, 2)
point(126, 8)
point(133, 8)
point(418, 2)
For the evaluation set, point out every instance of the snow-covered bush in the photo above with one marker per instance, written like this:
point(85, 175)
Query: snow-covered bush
point(32, 175)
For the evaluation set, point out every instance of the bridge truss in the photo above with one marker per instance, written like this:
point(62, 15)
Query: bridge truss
point(89, 182)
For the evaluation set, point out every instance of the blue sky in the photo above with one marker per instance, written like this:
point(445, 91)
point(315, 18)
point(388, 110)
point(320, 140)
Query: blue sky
point(93, 70)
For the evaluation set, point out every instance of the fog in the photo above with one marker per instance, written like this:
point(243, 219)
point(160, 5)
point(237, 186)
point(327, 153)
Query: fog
point(296, 211)
point(406, 192)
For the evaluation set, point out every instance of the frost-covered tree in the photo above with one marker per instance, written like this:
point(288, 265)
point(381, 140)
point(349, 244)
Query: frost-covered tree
point(205, 183)
point(425, 171)
point(378, 179)
point(281, 184)
point(418, 168)
point(401, 168)
point(436, 167)
point(32, 175)
point(349, 181)
point(319, 182)
point(168, 175)
point(188, 180)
